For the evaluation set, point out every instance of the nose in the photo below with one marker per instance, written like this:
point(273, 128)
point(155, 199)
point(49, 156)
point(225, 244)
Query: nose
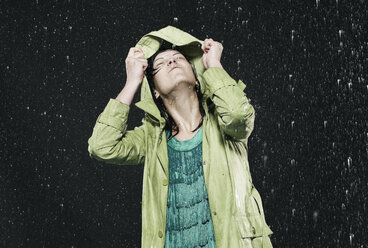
point(172, 59)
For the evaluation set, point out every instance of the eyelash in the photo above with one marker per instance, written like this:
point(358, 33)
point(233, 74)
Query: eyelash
point(178, 57)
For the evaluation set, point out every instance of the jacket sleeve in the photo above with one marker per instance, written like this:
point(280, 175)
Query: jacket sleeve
point(111, 143)
point(234, 112)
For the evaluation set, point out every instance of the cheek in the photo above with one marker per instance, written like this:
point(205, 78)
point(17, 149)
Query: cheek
point(159, 82)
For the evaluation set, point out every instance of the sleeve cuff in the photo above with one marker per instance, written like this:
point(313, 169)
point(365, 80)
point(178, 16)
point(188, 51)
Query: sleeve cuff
point(217, 78)
point(115, 114)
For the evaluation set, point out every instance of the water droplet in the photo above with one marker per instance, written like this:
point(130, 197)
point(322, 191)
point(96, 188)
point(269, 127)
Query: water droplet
point(350, 161)
point(292, 161)
point(350, 84)
point(351, 236)
point(341, 32)
point(315, 215)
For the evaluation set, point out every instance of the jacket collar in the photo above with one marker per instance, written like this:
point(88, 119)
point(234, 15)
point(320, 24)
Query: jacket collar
point(186, 44)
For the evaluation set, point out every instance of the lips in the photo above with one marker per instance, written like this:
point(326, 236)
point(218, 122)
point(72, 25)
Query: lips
point(174, 68)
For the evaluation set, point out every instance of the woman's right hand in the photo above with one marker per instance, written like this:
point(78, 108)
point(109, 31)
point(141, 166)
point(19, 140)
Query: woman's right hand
point(135, 64)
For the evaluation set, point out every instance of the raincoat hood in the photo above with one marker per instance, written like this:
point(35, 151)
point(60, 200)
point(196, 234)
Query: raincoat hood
point(185, 43)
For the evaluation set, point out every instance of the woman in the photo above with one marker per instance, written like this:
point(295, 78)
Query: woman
point(197, 188)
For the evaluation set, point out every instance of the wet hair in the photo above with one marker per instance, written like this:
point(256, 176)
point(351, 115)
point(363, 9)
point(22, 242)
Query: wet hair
point(149, 72)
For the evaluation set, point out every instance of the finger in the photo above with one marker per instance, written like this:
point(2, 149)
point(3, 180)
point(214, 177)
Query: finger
point(140, 49)
point(204, 60)
point(138, 55)
point(202, 47)
point(144, 61)
point(208, 44)
point(133, 50)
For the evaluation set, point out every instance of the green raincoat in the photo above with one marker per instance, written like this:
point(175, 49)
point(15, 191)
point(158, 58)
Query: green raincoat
point(235, 204)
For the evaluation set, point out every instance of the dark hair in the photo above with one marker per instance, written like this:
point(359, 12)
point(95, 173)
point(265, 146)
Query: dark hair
point(170, 123)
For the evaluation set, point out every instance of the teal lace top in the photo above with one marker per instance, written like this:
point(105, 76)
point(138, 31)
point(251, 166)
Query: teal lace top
point(188, 219)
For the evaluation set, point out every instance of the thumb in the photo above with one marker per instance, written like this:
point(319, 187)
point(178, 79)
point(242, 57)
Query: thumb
point(204, 60)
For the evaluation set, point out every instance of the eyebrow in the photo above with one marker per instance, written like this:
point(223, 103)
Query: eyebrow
point(162, 57)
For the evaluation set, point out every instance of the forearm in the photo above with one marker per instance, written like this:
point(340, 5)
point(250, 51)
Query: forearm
point(127, 94)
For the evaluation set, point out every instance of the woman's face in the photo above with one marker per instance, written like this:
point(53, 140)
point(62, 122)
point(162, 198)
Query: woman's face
point(166, 76)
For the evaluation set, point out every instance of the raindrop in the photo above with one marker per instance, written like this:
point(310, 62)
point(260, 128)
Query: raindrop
point(292, 124)
point(341, 32)
point(350, 84)
point(338, 81)
point(265, 157)
point(317, 3)
point(238, 62)
point(293, 211)
point(265, 144)
point(292, 162)
point(349, 162)
point(175, 19)
point(351, 236)
point(343, 207)
point(315, 216)
point(325, 123)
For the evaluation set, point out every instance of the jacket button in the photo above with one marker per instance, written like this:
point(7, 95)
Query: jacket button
point(253, 230)
point(204, 162)
point(214, 212)
point(160, 234)
point(165, 182)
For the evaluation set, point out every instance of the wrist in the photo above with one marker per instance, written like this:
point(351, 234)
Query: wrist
point(215, 64)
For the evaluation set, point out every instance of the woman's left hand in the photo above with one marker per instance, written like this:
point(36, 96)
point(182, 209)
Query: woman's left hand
point(212, 51)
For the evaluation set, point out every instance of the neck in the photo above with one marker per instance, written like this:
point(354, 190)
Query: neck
point(183, 107)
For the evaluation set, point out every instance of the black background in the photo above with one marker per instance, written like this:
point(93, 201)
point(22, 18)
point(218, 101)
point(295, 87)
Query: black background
point(305, 67)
